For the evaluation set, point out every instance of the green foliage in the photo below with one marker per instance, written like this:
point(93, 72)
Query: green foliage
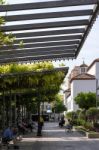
point(21, 44)
point(86, 100)
point(58, 105)
point(81, 122)
point(2, 1)
point(78, 112)
point(33, 87)
point(62, 64)
point(1, 22)
point(18, 68)
point(93, 114)
point(70, 115)
point(82, 114)
point(4, 69)
point(5, 39)
point(88, 125)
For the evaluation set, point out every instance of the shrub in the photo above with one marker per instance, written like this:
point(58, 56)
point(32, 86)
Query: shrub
point(88, 126)
point(82, 115)
point(81, 122)
point(93, 114)
point(71, 115)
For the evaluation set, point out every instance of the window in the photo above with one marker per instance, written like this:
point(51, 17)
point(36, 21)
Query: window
point(83, 70)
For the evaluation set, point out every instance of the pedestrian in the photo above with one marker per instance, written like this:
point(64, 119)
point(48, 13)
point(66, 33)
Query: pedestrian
point(10, 134)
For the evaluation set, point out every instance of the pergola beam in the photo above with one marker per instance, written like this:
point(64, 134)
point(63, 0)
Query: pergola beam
point(35, 53)
point(47, 33)
point(37, 58)
point(45, 25)
point(38, 49)
point(91, 22)
point(42, 5)
point(45, 39)
point(6, 54)
point(45, 71)
point(37, 45)
point(51, 38)
point(48, 15)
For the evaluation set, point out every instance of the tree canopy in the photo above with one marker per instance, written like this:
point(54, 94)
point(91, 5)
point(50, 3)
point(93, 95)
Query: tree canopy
point(5, 39)
point(43, 86)
point(58, 105)
point(86, 100)
point(93, 114)
point(29, 88)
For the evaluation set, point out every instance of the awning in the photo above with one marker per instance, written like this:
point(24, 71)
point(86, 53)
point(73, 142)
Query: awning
point(49, 30)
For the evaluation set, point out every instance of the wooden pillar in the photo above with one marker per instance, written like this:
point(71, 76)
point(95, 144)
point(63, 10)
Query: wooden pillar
point(3, 110)
point(10, 106)
point(39, 125)
point(15, 113)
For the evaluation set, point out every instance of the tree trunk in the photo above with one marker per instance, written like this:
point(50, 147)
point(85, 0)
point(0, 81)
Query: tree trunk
point(10, 110)
point(39, 124)
point(3, 111)
point(15, 114)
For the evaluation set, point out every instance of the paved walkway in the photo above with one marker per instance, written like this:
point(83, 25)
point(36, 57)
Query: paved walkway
point(55, 138)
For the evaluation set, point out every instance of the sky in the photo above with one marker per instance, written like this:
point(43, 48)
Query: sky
point(90, 49)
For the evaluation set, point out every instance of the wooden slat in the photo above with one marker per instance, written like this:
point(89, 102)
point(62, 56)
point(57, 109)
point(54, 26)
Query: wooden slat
point(36, 45)
point(46, 33)
point(91, 22)
point(48, 15)
point(45, 25)
point(41, 51)
point(46, 39)
point(50, 4)
point(54, 50)
point(36, 53)
point(38, 49)
point(38, 58)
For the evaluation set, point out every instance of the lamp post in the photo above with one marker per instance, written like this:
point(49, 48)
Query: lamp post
point(97, 92)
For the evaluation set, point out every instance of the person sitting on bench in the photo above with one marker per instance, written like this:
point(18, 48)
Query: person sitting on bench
point(10, 134)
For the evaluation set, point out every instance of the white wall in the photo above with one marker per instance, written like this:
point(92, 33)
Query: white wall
point(69, 104)
point(92, 70)
point(64, 98)
point(82, 86)
point(97, 70)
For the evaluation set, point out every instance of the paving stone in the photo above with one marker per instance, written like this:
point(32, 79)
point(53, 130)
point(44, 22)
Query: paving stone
point(55, 138)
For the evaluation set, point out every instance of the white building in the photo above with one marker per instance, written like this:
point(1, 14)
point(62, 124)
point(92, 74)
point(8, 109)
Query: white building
point(81, 79)
point(94, 68)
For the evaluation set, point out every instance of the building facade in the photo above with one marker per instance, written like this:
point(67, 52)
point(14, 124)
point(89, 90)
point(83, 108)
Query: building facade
point(82, 79)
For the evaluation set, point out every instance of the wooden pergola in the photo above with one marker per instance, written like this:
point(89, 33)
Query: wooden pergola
point(31, 73)
point(49, 30)
point(9, 95)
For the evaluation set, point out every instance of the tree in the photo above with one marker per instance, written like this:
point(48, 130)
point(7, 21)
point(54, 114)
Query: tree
point(5, 39)
point(33, 88)
point(71, 115)
point(86, 100)
point(93, 114)
point(2, 1)
point(58, 105)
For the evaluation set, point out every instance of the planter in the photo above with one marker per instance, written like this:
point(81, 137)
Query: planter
point(92, 135)
point(86, 133)
point(81, 131)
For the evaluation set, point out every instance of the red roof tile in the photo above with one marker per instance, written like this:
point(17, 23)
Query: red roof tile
point(83, 76)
